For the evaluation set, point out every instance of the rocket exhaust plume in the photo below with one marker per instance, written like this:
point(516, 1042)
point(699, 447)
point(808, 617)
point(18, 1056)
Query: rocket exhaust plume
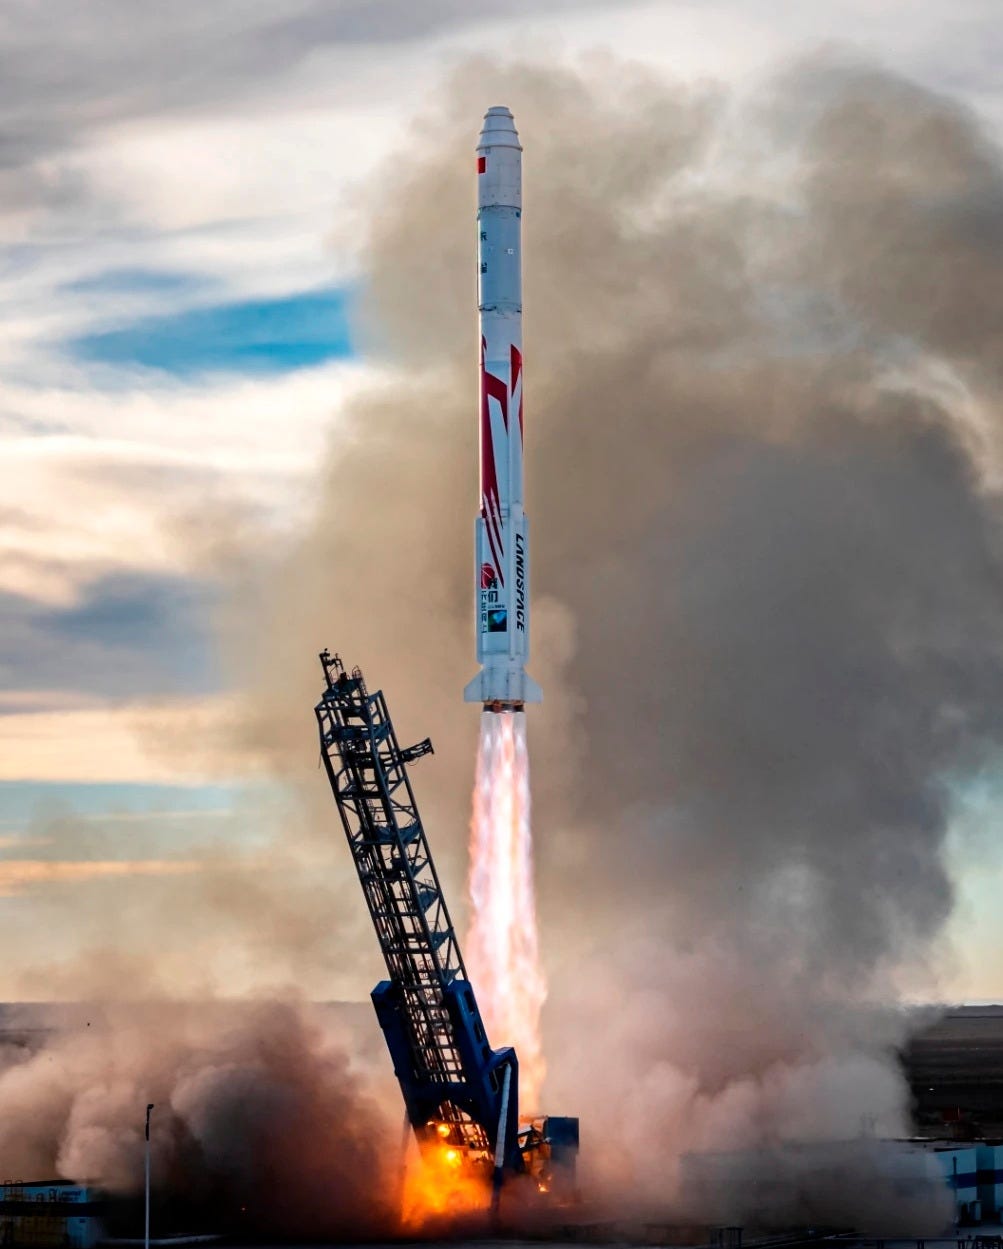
point(502, 945)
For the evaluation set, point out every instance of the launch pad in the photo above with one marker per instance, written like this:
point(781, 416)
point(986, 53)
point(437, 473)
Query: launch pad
point(461, 1097)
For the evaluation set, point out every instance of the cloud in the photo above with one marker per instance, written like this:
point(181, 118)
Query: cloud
point(132, 281)
point(249, 908)
point(122, 481)
point(142, 804)
point(129, 635)
point(19, 875)
point(72, 70)
point(119, 507)
point(169, 742)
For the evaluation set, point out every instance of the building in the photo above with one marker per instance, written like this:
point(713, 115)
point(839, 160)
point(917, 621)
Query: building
point(51, 1212)
point(954, 1066)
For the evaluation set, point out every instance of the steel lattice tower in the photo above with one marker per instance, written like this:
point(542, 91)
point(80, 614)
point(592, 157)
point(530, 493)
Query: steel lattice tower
point(446, 1068)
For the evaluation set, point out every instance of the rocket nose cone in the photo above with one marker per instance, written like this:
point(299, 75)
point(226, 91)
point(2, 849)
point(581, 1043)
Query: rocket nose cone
point(498, 129)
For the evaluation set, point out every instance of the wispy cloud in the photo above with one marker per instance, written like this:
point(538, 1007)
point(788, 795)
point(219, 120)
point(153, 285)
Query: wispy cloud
point(182, 741)
point(23, 803)
point(106, 480)
point(73, 73)
point(19, 875)
point(131, 634)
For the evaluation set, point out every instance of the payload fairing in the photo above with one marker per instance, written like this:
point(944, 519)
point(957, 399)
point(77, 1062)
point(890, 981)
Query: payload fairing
point(501, 543)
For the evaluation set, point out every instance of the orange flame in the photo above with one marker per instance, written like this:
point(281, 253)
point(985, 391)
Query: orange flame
point(443, 1184)
point(502, 946)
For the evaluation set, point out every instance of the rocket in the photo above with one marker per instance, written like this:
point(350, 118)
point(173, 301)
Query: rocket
point(501, 537)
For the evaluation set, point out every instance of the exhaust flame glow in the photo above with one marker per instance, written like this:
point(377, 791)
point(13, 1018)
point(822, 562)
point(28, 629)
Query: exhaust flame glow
point(502, 946)
point(441, 1184)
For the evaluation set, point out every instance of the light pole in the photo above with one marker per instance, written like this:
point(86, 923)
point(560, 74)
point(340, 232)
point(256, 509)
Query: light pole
point(146, 1233)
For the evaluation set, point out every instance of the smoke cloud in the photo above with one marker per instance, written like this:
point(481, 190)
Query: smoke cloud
point(259, 1122)
point(762, 378)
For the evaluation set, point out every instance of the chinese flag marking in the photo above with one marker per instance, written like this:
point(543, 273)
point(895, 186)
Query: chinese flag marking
point(481, 163)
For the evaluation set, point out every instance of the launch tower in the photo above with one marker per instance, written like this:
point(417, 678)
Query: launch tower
point(457, 1090)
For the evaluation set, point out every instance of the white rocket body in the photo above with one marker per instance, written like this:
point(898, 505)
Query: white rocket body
point(501, 544)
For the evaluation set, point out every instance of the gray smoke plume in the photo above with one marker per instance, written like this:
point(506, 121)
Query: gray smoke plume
point(260, 1123)
point(762, 375)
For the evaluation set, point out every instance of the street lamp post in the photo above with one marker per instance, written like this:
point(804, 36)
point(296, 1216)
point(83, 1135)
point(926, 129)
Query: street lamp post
point(146, 1233)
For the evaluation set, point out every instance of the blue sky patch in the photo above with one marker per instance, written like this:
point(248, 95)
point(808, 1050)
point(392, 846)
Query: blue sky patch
point(76, 820)
point(22, 801)
point(253, 336)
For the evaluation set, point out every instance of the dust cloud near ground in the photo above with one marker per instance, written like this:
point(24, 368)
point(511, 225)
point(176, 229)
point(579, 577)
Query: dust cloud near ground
point(261, 1123)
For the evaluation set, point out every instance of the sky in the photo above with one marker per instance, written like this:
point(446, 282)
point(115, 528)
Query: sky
point(180, 278)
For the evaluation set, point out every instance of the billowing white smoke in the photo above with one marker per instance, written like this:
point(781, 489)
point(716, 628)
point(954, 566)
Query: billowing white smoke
point(503, 956)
